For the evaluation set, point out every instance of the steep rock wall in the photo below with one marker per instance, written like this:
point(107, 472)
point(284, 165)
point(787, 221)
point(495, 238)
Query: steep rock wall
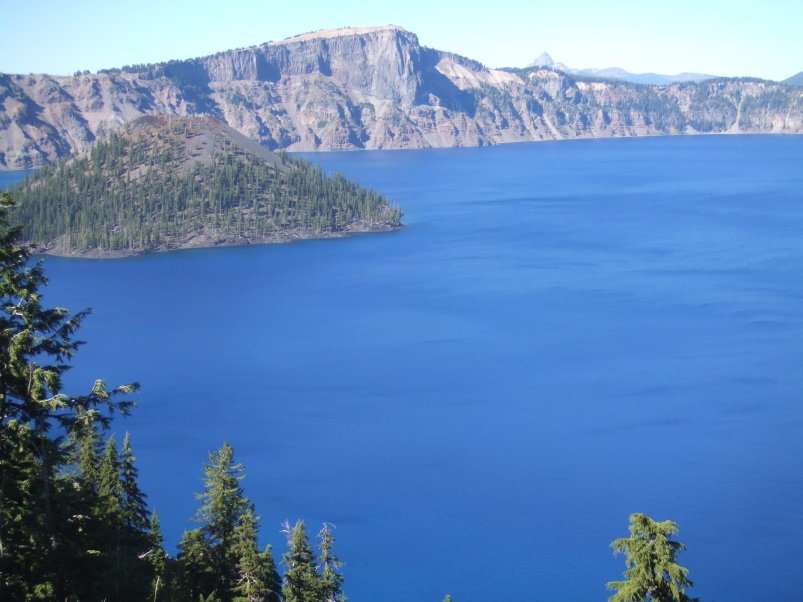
point(374, 88)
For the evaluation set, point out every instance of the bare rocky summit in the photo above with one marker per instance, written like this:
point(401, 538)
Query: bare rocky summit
point(373, 88)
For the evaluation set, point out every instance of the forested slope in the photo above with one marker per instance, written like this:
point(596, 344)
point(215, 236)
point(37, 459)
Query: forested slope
point(165, 183)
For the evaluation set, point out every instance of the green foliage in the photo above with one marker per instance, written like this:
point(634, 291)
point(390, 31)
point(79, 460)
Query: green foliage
point(195, 564)
point(211, 557)
point(133, 507)
point(74, 524)
point(221, 560)
point(157, 558)
point(301, 582)
point(652, 571)
point(110, 487)
point(329, 568)
point(258, 578)
point(60, 536)
point(147, 191)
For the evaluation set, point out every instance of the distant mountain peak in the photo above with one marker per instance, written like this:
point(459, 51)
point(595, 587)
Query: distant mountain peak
point(654, 79)
point(795, 80)
point(544, 60)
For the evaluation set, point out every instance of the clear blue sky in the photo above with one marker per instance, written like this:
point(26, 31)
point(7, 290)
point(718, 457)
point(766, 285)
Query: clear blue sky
point(760, 38)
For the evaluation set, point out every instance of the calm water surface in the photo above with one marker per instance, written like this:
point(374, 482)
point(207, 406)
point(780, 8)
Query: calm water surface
point(564, 334)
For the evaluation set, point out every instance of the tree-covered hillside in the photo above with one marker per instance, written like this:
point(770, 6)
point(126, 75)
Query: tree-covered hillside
point(163, 183)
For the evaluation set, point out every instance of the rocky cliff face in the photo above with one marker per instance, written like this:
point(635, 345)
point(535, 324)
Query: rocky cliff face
point(373, 88)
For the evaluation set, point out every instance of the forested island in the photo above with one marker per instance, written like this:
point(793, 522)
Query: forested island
point(164, 183)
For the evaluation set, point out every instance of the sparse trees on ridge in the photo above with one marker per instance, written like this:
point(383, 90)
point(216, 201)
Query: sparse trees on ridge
point(147, 193)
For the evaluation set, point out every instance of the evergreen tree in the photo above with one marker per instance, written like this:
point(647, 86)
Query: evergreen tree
point(329, 566)
point(157, 558)
point(135, 538)
point(123, 529)
point(301, 583)
point(110, 488)
point(652, 571)
point(42, 513)
point(82, 451)
point(196, 572)
point(133, 507)
point(108, 523)
point(209, 555)
point(258, 579)
point(271, 577)
point(90, 463)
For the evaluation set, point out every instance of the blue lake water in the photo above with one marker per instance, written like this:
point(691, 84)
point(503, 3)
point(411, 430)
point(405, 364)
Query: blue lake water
point(563, 334)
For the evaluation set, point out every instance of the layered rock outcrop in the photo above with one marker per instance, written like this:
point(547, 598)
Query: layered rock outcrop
point(373, 88)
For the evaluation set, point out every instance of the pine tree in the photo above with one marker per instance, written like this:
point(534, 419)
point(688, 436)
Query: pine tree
point(301, 583)
point(90, 463)
point(329, 566)
point(258, 579)
point(271, 576)
point(82, 451)
point(157, 559)
point(41, 516)
point(652, 571)
point(196, 572)
point(123, 522)
point(133, 507)
point(25, 567)
point(110, 488)
point(209, 555)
